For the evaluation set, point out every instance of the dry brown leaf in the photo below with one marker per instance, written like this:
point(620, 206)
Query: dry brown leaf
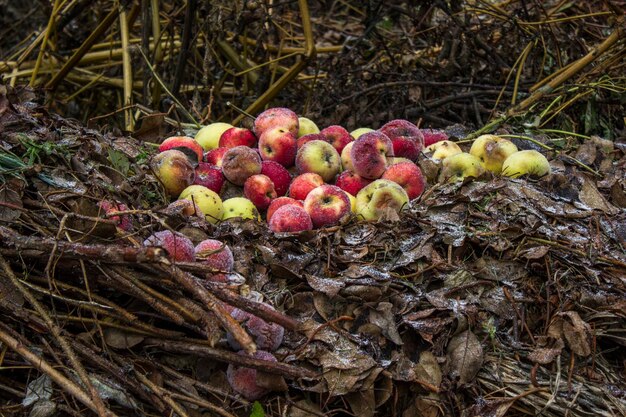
point(465, 356)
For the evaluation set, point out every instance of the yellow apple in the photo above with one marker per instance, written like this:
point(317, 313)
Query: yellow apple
point(307, 126)
point(439, 151)
point(209, 201)
point(492, 150)
point(240, 207)
point(209, 136)
point(352, 202)
point(358, 132)
point(529, 162)
point(459, 166)
point(379, 198)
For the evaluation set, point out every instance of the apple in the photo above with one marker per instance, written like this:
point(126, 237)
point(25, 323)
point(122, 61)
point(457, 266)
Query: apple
point(173, 170)
point(319, 157)
point(303, 184)
point(433, 136)
point(346, 161)
point(308, 138)
point(528, 162)
point(405, 147)
point(240, 163)
point(440, 150)
point(351, 182)
point(215, 254)
point(401, 128)
point(460, 166)
point(244, 380)
point(277, 117)
point(327, 205)
point(369, 154)
point(215, 156)
point(352, 202)
point(237, 136)
point(210, 176)
point(290, 218)
point(184, 144)
point(356, 133)
point(396, 160)
point(380, 198)
point(492, 150)
point(409, 176)
point(278, 174)
point(337, 136)
point(209, 201)
point(185, 208)
point(260, 190)
point(209, 136)
point(124, 222)
point(178, 246)
point(307, 126)
point(279, 202)
point(240, 207)
point(279, 145)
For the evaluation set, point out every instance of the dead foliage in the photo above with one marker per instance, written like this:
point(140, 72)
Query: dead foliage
point(491, 297)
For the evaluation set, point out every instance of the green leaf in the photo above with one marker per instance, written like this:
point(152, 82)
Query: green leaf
point(257, 410)
point(119, 161)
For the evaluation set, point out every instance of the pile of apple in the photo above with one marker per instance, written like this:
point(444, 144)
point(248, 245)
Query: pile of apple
point(301, 178)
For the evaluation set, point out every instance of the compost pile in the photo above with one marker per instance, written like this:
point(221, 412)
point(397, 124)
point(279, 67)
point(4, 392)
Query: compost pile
point(485, 297)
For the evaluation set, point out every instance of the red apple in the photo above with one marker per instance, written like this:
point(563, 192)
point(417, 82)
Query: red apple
point(178, 246)
point(346, 161)
point(308, 138)
point(337, 136)
point(124, 222)
point(303, 184)
point(327, 205)
point(433, 136)
point(402, 128)
point(320, 157)
point(237, 136)
point(278, 144)
point(409, 176)
point(351, 182)
point(369, 154)
point(290, 218)
point(405, 147)
point(276, 203)
point(184, 144)
point(277, 117)
point(260, 190)
point(215, 254)
point(210, 176)
point(278, 174)
point(215, 156)
point(240, 163)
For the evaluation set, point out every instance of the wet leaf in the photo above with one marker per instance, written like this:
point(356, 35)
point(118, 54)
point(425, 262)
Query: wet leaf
point(577, 333)
point(465, 357)
point(39, 389)
point(120, 339)
point(428, 369)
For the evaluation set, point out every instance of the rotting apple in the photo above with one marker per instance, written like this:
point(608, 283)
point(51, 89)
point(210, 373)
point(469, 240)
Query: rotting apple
point(240, 207)
point(240, 163)
point(459, 166)
point(527, 162)
point(173, 170)
point(319, 157)
point(209, 201)
point(409, 176)
point(277, 117)
point(381, 199)
point(369, 154)
point(492, 150)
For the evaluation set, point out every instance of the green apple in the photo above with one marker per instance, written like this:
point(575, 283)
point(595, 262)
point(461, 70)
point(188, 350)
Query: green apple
point(460, 166)
point(492, 150)
point(320, 157)
point(209, 136)
point(240, 207)
point(307, 126)
point(209, 201)
point(439, 151)
point(358, 132)
point(379, 198)
point(352, 202)
point(529, 162)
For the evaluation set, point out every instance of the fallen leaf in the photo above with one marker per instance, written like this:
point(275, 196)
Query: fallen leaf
point(465, 356)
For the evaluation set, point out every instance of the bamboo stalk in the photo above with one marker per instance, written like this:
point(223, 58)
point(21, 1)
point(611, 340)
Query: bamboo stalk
point(127, 70)
point(44, 43)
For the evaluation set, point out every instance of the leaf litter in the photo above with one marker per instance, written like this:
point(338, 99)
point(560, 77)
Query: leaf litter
point(483, 296)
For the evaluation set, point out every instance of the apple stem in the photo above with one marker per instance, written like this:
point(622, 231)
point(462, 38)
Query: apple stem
point(242, 111)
